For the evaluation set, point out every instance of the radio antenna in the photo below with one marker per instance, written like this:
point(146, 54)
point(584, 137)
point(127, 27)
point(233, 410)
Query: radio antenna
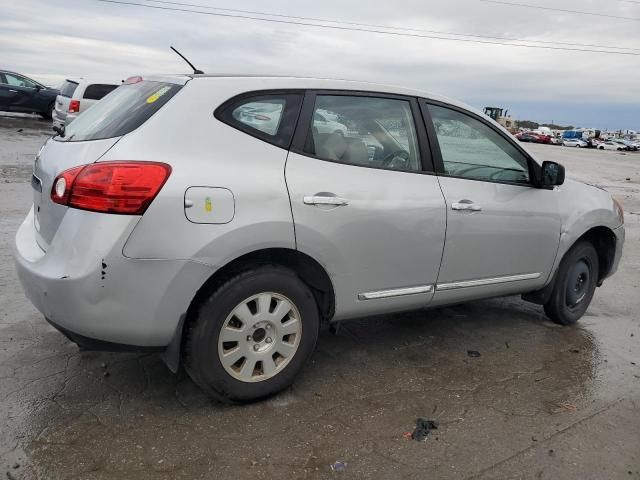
point(195, 70)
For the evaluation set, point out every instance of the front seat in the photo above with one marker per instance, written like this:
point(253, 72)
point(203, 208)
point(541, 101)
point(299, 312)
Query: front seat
point(356, 152)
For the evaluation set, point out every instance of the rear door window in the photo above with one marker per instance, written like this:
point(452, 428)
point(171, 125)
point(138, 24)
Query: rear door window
point(271, 118)
point(121, 112)
point(98, 90)
point(366, 131)
point(68, 88)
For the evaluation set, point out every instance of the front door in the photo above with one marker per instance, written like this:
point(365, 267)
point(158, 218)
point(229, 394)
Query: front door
point(18, 92)
point(502, 231)
point(362, 203)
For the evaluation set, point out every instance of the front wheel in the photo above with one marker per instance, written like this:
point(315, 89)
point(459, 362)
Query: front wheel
point(252, 336)
point(575, 285)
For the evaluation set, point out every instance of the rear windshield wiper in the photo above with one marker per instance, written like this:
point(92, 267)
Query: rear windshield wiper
point(59, 129)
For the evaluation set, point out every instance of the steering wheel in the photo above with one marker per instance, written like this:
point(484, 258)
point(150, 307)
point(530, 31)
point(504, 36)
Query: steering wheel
point(390, 157)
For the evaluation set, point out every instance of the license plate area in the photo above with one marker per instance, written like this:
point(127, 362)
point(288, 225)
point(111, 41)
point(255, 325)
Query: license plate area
point(36, 184)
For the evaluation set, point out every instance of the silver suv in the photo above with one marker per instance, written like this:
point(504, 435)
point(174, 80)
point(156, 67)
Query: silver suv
point(211, 218)
point(76, 96)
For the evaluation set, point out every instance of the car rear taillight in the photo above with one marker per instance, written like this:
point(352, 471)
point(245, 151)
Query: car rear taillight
point(74, 106)
point(111, 187)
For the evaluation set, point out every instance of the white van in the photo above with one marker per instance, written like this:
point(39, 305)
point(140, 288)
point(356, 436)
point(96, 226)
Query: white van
point(77, 95)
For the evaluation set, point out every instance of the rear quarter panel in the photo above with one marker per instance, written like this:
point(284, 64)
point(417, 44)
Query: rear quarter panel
point(203, 151)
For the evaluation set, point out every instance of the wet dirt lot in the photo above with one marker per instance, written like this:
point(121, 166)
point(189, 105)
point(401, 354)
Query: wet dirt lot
point(541, 401)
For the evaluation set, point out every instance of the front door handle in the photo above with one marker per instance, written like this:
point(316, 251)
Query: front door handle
point(466, 205)
point(321, 200)
point(13, 91)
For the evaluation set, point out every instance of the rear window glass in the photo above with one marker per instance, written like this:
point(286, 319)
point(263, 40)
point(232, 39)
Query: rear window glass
point(269, 117)
point(67, 89)
point(264, 115)
point(98, 90)
point(120, 112)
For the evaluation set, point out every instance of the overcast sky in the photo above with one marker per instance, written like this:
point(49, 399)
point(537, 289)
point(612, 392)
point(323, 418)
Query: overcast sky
point(50, 40)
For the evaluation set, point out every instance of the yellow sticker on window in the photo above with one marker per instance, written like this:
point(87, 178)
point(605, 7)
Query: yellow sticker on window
point(207, 205)
point(158, 94)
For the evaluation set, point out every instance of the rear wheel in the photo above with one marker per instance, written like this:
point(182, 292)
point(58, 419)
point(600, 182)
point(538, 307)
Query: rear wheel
point(252, 336)
point(576, 282)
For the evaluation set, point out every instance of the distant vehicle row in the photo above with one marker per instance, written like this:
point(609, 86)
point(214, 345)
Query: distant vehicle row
point(611, 144)
point(19, 93)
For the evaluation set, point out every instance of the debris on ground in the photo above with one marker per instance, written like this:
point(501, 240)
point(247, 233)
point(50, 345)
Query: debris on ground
point(569, 406)
point(473, 353)
point(575, 350)
point(506, 344)
point(338, 466)
point(423, 427)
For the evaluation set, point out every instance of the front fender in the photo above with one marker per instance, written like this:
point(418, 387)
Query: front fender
point(583, 207)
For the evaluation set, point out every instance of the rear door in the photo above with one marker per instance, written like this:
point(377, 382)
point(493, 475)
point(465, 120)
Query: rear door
point(364, 201)
point(6, 96)
point(502, 232)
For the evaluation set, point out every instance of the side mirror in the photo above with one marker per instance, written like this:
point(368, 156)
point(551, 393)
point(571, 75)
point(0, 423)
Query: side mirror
point(38, 88)
point(552, 174)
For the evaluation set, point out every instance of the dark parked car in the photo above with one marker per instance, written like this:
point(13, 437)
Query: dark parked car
point(22, 94)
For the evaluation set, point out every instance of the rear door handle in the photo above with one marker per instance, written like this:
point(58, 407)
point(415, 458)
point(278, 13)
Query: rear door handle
point(466, 205)
point(320, 200)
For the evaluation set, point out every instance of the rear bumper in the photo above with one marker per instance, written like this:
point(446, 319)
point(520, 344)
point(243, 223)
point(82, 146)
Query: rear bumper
point(85, 286)
point(58, 118)
point(86, 343)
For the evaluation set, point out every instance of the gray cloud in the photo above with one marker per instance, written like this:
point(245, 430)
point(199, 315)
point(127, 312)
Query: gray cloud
point(52, 40)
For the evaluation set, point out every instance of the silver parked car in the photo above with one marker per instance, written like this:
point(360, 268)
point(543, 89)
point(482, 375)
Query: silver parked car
point(173, 216)
point(77, 95)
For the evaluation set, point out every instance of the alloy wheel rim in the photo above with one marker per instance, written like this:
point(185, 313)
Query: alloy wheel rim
point(260, 337)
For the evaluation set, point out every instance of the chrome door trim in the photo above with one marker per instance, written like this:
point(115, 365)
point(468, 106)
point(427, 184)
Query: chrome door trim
point(487, 281)
point(395, 292)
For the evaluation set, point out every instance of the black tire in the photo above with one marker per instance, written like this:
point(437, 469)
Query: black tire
point(201, 359)
point(48, 114)
point(576, 282)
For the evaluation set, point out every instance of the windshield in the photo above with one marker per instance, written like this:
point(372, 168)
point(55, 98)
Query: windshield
point(120, 112)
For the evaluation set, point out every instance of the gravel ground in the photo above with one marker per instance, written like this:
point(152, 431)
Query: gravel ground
point(541, 401)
